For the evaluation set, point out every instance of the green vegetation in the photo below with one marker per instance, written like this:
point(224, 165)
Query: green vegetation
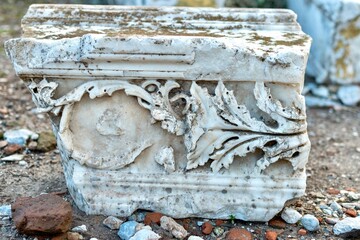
point(232, 219)
point(256, 3)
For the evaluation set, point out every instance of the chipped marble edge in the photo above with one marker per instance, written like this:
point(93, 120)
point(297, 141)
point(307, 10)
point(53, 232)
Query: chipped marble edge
point(91, 57)
point(157, 195)
point(41, 20)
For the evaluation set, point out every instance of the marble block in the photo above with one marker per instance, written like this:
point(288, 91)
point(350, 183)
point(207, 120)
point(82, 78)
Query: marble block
point(192, 112)
point(190, 3)
point(334, 26)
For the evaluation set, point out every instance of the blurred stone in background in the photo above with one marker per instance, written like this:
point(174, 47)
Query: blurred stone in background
point(334, 62)
point(256, 3)
point(334, 26)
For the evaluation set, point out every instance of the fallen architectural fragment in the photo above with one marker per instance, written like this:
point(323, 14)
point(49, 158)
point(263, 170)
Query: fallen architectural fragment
point(192, 3)
point(334, 26)
point(185, 111)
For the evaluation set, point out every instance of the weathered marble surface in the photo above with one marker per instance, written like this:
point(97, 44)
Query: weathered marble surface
point(158, 3)
point(334, 26)
point(147, 2)
point(190, 112)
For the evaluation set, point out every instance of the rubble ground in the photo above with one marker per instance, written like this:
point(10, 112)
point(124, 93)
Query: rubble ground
point(333, 172)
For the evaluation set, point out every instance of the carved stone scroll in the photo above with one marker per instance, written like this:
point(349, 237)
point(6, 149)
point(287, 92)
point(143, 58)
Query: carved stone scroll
point(171, 106)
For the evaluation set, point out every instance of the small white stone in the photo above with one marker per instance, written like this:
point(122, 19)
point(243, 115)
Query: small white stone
point(5, 210)
point(327, 211)
point(310, 223)
point(19, 136)
point(321, 91)
point(195, 238)
point(349, 95)
point(331, 221)
point(290, 215)
point(141, 226)
point(336, 207)
point(112, 222)
point(320, 102)
point(3, 144)
point(218, 231)
point(14, 157)
point(80, 229)
point(75, 236)
point(172, 226)
point(353, 196)
point(32, 145)
point(355, 205)
point(145, 234)
point(23, 163)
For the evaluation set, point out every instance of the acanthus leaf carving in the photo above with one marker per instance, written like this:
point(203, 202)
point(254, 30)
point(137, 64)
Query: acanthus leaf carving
point(215, 127)
point(221, 128)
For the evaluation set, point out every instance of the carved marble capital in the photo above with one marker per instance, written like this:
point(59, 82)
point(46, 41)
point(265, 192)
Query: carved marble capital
point(178, 104)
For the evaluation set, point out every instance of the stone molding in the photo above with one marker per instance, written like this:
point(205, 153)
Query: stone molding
point(161, 107)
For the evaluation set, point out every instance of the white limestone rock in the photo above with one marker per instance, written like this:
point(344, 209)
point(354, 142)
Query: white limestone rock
point(5, 211)
point(336, 207)
point(195, 238)
point(321, 102)
point(290, 215)
point(173, 227)
point(112, 222)
point(334, 26)
point(348, 227)
point(80, 229)
point(310, 222)
point(145, 234)
point(13, 158)
point(349, 95)
point(141, 226)
point(321, 91)
point(19, 136)
point(184, 111)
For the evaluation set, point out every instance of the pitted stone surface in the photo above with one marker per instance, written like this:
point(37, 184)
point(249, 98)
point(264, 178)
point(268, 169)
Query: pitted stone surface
point(171, 108)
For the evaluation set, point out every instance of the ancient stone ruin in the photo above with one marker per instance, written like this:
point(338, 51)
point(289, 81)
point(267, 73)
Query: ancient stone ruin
point(334, 62)
point(186, 111)
point(335, 27)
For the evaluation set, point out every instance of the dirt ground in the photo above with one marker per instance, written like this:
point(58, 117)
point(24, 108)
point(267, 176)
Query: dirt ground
point(334, 161)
